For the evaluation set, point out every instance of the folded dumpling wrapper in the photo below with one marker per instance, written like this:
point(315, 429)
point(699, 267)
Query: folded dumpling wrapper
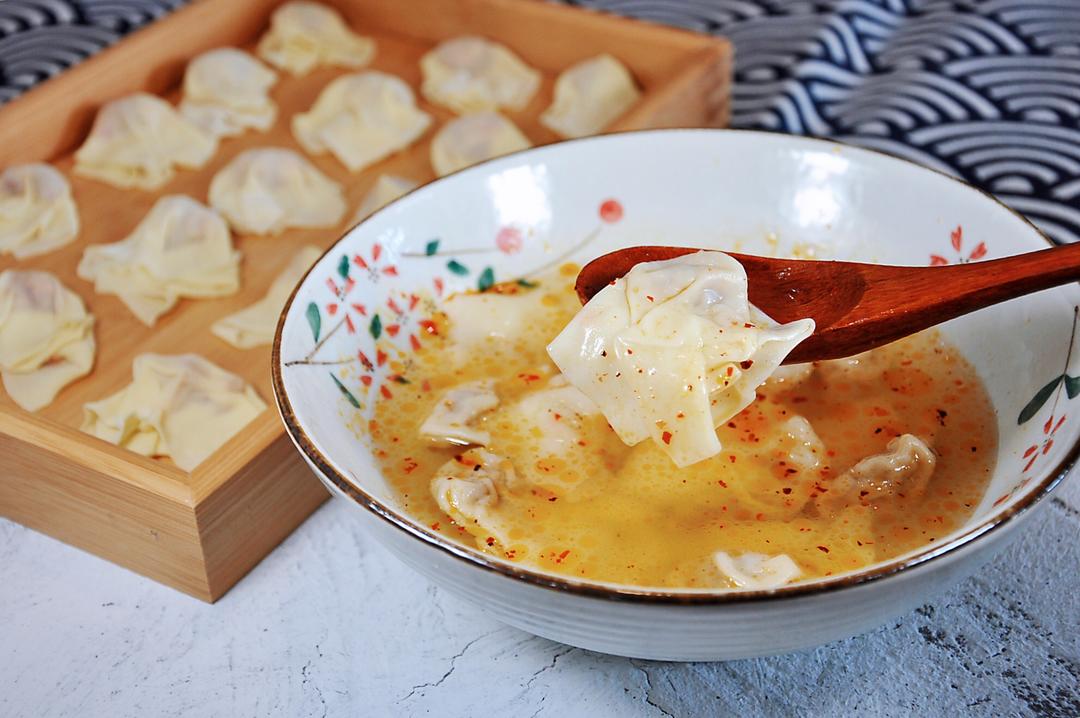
point(269, 189)
point(452, 418)
point(469, 489)
point(182, 248)
point(757, 571)
point(139, 140)
point(254, 326)
point(182, 406)
point(590, 96)
point(37, 211)
point(304, 35)
point(361, 119)
point(226, 92)
point(674, 349)
point(474, 138)
point(471, 74)
point(386, 189)
point(46, 337)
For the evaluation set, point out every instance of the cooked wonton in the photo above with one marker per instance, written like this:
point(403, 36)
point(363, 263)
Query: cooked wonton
point(756, 570)
point(672, 350)
point(467, 488)
point(37, 212)
point(183, 407)
point(137, 141)
point(180, 249)
point(254, 325)
point(386, 189)
point(269, 189)
point(451, 420)
point(903, 470)
point(589, 96)
point(303, 35)
point(361, 119)
point(46, 337)
point(551, 426)
point(474, 138)
point(225, 93)
point(471, 74)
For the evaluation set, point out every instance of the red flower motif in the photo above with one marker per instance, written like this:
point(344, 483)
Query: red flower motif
point(374, 271)
point(402, 319)
point(1042, 448)
point(611, 211)
point(956, 239)
point(509, 240)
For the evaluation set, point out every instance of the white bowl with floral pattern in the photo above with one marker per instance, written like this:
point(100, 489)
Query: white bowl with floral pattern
point(365, 307)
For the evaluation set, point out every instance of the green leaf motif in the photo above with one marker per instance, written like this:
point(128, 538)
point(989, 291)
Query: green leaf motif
point(1072, 386)
point(486, 279)
point(401, 380)
point(457, 267)
point(527, 284)
point(432, 247)
point(375, 327)
point(343, 267)
point(346, 392)
point(314, 319)
point(1040, 398)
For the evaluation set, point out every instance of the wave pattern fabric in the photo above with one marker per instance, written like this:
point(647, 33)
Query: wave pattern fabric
point(985, 90)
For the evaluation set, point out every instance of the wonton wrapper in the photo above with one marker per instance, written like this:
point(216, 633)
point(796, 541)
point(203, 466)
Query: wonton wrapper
point(386, 189)
point(672, 350)
point(37, 212)
point(46, 337)
point(183, 407)
point(468, 489)
point(756, 570)
point(474, 138)
point(903, 470)
point(471, 74)
point(180, 249)
point(255, 325)
point(361, 119)
point(451, 419)
point(305, 34)
point(589, 96)
point(269, 189)
point(549, 425)
point(225, 93)
point(137, 140)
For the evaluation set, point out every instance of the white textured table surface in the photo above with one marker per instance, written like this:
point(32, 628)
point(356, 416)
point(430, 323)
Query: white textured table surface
point(330, 624)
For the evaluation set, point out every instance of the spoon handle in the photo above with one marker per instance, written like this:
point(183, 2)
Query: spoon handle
point(961, 288)
point(893, 302)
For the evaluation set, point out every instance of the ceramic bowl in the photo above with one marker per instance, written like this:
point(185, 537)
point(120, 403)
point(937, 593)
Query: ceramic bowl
point(361, 313)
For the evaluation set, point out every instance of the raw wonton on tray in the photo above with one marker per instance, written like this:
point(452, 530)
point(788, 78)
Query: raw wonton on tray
point(361, 119)
point(226, 92)
point(183, 407)
point(269, 189)
point(46, 337)
point(139, 140)
point(181, 249)
point(37, 212)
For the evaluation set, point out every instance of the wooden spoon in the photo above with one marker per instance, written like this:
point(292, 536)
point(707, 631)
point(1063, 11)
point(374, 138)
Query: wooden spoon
point(861, 306)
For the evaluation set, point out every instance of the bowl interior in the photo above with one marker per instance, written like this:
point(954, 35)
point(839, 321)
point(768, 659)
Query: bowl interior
point(355, 321)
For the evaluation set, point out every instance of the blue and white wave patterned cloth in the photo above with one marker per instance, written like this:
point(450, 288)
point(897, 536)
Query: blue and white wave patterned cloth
point(986, 90)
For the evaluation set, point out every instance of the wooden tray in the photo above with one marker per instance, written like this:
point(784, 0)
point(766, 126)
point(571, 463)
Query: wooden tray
point(201, 532)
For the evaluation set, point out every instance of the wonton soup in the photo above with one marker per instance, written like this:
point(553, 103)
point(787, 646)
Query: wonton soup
point(693, 473)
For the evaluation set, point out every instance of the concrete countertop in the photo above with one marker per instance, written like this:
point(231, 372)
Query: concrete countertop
point(330, 624)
